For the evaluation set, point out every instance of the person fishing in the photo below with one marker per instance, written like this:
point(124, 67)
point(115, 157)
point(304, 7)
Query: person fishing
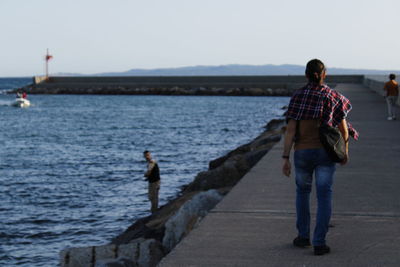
point(153, 177)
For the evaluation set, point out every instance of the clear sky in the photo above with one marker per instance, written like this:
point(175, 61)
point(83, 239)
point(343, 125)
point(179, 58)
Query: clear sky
point(92, 36)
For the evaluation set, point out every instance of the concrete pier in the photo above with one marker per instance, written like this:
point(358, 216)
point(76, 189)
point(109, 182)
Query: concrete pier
point(178, 85)
point(254, 225)
point(248, 81)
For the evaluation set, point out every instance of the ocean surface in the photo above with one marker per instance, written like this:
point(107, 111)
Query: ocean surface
point(71, 166)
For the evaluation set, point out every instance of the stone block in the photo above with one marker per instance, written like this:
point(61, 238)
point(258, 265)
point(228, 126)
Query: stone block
point(253, 157)
point(177, 226)
point(151, 252)
point(275, 124)
point(129, 251)
point(120, 262)
point(77, 257)
point(106, 252)
point(64, 257)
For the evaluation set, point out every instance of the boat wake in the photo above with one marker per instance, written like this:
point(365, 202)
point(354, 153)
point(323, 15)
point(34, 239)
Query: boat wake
point(16, 103)
point(5, 103)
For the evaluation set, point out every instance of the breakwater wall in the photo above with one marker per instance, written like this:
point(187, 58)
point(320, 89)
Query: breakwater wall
point(375, 82)
point(178, 85)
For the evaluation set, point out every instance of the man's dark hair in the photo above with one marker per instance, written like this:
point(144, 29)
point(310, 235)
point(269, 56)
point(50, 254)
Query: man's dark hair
point(392, 76)
point(146, 151)
point(314, 70)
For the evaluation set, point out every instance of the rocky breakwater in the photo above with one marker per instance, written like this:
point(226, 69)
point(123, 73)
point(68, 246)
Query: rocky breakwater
point(150, 238)
point(127, 90)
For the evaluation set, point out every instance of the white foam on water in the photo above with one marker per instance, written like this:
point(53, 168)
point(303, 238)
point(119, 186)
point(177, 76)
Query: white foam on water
point(5, 103)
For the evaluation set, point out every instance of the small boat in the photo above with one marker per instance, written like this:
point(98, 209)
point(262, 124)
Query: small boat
point(21, 103)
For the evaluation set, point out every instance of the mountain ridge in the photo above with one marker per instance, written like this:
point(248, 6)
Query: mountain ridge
point(233, 70)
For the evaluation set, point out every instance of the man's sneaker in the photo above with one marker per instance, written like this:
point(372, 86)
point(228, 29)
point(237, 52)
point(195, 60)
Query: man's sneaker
point(389, 118)
point(301, 242)
point(321, 250)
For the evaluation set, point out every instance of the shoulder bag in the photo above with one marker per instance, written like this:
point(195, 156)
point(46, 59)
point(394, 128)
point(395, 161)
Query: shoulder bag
point(333, 142)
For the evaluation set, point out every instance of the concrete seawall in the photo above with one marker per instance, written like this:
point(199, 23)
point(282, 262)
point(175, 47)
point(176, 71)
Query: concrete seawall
point(211, 81)
point(375, 82)
point(179, 85)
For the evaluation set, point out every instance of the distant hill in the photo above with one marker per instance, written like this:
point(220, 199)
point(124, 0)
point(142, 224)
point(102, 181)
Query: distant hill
point(233, 69)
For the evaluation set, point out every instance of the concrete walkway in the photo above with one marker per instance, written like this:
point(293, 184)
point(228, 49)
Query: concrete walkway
point(254, 225)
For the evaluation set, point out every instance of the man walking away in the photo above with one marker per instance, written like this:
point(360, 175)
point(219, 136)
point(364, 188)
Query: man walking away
point(314, 104)
point(153, 177)
point(391, 93)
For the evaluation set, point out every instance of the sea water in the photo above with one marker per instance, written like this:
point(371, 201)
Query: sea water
point(71, 166)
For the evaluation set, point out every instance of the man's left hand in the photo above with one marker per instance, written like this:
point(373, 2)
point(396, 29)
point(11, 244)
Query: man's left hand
point(286, 169)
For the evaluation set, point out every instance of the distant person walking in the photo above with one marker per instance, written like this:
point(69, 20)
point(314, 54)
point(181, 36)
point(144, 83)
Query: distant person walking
point(310, 106)
point(391, 89)
point(153, 177)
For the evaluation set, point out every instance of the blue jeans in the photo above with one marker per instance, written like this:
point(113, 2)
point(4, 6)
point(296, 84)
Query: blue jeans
point(307, 162)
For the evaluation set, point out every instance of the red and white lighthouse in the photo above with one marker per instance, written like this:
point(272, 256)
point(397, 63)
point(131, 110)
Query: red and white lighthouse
point(47, 59)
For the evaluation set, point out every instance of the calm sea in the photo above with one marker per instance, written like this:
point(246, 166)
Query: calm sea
point(71, 166)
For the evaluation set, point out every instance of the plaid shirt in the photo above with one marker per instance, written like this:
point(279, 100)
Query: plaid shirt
point(320, 102)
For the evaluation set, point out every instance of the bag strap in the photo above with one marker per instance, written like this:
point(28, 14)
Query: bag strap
point(297, 134)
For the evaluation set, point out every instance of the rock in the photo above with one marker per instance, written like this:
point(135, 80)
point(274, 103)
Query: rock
point(200, 91)
point(130, 251)
point(254, 91)
point(77, 257)
point(120, 262)
point(269, 91)
point(241, 165)
point(119, 89)
point(187, 216)
point(224, 175)
point(263, 141)
point(106, 252)
point(233, 91)
point(136, 230)
point(274, 124)
point(253, 157)
point(142, 252)
point(281, 91)
point(219, 161)
point(150, 254)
